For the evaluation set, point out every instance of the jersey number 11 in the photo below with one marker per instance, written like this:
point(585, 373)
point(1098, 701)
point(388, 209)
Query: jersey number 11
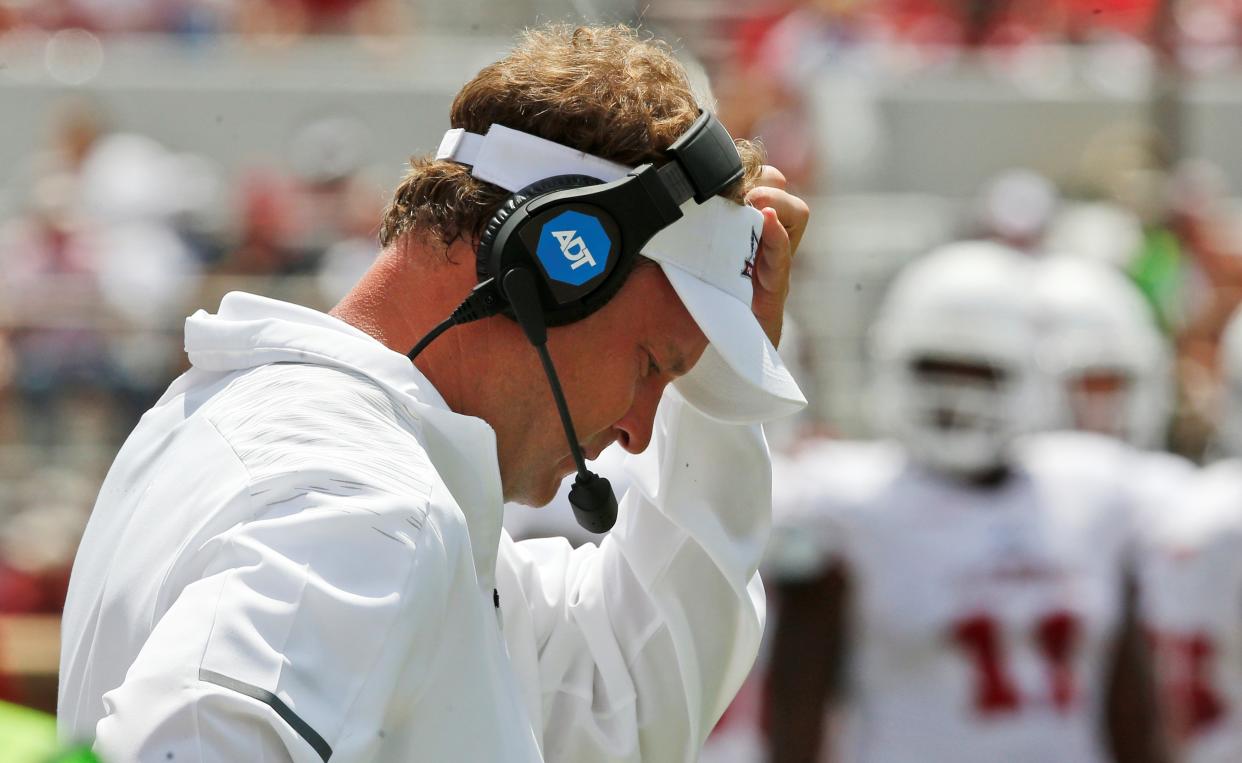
point(980, 637)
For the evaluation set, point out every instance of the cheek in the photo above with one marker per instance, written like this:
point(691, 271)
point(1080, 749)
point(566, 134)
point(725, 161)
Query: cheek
point(609, 389)
point(599, 385)
point(599, 370)
point(625, 383)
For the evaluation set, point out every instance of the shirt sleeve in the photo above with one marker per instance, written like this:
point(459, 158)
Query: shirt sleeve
point(234, 671)
point(640, 644)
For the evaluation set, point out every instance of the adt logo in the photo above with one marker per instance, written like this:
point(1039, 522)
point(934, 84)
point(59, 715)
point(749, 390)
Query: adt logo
point(573, 248)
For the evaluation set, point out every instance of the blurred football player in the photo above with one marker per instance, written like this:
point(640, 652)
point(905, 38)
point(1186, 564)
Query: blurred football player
point(1111, 373)
point(958, 592)
point(1193, 592)
point(1108, 361)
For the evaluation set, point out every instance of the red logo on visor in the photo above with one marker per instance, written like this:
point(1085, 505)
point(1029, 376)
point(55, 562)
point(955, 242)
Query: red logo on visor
point(748, 267)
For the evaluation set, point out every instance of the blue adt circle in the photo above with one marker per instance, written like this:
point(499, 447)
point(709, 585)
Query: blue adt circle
point(573, 248)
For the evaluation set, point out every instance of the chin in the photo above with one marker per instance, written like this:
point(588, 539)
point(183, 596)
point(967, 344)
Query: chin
point(548, 490)
point(539, 493)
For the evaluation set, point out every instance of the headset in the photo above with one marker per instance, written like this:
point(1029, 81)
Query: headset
point(557, 250)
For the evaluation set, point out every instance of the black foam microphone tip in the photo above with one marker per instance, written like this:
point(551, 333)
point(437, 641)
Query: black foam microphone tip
point(595, 505)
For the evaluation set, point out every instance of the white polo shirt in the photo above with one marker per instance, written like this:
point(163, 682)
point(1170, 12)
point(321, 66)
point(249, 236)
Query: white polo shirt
point(298, 555)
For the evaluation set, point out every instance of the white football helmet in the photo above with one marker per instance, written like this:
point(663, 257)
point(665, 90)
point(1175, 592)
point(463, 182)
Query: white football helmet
point(952, 347)
point(1108, 364)
point(1229, 426)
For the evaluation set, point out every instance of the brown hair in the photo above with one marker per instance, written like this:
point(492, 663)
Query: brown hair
point(603, 90)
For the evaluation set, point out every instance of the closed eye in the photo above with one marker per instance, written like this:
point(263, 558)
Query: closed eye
point(653, 368)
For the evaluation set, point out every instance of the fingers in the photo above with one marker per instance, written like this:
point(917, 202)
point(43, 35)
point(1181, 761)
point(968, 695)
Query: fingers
point(791, 210)
point(775, 255)
point(785, 218)
point(773, 265)
point(770, 176)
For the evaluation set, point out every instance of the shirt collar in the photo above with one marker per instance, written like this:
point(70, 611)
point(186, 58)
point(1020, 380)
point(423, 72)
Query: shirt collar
point(461, 448)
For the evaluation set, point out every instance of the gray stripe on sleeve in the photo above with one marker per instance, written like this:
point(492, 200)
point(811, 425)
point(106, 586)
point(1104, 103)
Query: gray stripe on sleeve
point(286, 714)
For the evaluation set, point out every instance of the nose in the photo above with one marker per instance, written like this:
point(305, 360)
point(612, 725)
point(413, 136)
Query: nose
point(634, 428)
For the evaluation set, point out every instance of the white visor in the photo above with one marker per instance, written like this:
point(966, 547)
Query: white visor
point(707, 255)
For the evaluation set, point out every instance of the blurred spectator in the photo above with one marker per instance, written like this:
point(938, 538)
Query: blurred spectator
point(271, 18)
point(321, 218)
point(133, 189)
point(992, 23)
point(265, 228)
point(114, 16)
point(197, 18)
point(969, 23)
point(1085, 20)
point(77, 125)
point(298, 17)
point(778, 76)
point(1205, 229)
point(347, 259)
point(74, 127)
point(38, 541)
point(339, 200)
point(49, 265)
point(94, 251)
point(1016, 207)
point(326, 155)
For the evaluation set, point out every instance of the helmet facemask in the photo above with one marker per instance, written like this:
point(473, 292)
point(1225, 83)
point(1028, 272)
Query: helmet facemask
point(958, 415)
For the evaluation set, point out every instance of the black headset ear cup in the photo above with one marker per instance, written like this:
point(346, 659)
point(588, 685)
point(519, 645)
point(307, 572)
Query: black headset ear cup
point(483, 255)
point(487, 263)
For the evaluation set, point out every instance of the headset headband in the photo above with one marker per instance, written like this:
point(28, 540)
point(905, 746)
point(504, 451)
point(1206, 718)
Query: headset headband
point(705, 157)
point(705, 161)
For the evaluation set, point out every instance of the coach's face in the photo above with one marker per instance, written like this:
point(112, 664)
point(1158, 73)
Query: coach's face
point(614, 366)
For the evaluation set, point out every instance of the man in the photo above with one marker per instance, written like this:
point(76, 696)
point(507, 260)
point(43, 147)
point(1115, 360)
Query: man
point(956, 593)
point(1193, 590)
point(1107, 360)
point(298, 554)
point(1111, 373)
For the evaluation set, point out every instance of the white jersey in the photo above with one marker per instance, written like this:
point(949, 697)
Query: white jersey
point(1193, 607)
point(982, 619)
point(1158, 482)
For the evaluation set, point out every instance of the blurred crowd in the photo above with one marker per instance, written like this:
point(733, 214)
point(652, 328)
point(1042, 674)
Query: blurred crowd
point(196, 18)
point(969, 23)
point(803, 73)
point(797, 77)
point(116, 237)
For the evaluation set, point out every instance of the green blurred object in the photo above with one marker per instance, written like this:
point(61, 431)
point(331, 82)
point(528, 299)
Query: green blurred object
point(29, 736)
point(1157, 270)
point(74, 755)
